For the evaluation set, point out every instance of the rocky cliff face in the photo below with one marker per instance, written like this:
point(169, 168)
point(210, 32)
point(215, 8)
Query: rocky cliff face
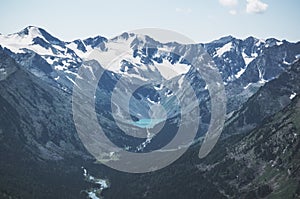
point(264, 163)
point(39, 115)
point(271, 98)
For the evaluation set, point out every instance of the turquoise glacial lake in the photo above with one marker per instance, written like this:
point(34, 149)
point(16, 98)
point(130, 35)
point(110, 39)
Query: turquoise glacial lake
point(147, 123)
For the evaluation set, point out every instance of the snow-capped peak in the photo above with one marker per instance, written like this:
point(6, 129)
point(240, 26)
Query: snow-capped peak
point(15, 42)
point(28, 31)
point(32, 38)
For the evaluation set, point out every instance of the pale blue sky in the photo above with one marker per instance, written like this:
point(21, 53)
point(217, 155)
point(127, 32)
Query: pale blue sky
point(201, 20)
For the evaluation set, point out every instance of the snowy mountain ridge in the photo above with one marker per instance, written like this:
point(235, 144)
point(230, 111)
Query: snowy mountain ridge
point(62, 55)
point(244, 65)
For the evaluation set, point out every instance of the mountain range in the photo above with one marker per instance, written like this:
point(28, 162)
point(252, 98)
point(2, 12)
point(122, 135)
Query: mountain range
point(256, 157)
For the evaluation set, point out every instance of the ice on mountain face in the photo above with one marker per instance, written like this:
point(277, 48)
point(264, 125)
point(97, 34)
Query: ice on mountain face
point(248, 59)
point(247, 86)
point(168, 71)
point(227, 47)
point(293, 95)
point(261, 79)
point(278, 43)
point(239, 74)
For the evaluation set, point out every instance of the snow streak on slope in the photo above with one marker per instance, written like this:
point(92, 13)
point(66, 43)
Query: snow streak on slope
point(227, 47)
point(247, 60)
